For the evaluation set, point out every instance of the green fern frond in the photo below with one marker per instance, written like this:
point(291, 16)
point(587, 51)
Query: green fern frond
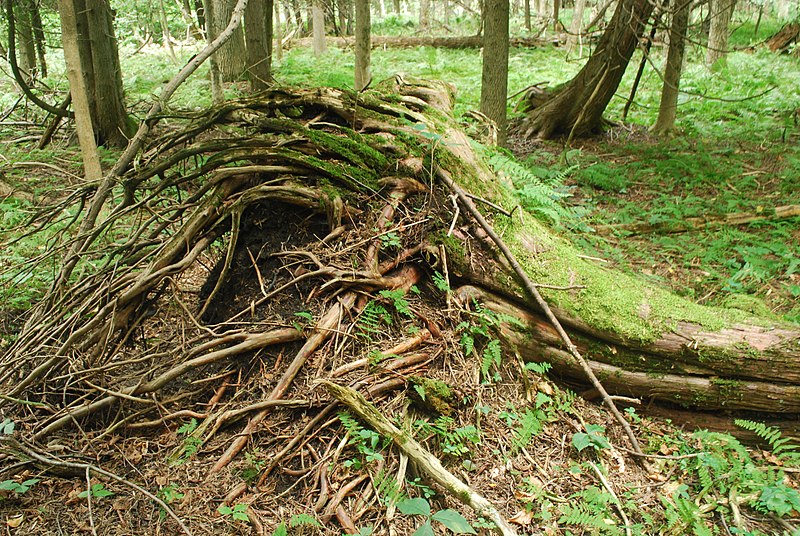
point(782, 447)
point(372, 320)
point(540, 190)
point(303, 520)
point(582, 515)
point(529, 427)
point(492, 356)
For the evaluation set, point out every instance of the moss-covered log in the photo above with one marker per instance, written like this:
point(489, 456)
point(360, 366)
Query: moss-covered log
point(308, 198)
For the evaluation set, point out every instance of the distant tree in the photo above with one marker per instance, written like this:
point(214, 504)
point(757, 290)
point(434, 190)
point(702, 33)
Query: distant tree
point(258, 41)
point(424, 15)
point(494, 79)
point(672, 72)
point(577, 107)
point(24, 39)
point(231, 57)
point(70, 37)
point(318, 27)
point(363, 45)
point(721, 14)
point(575, 25)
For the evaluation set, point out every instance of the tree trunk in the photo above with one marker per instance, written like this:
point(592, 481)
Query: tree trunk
point(556, 16)
point(70, 37)
point(668, 108)
point(278, 30)
point(397, 9)
point(318, 27)
point(38, 36)
point(527, 14)
point(424, 15)
point(721, 14)
point(112, 126)
point(258, 36)
point(494, 79)
point(363, 45)
point(232, 56)
point(191, 26)
point(25, 42)
point(577, 108)
point(200, 12)
point(576, 24)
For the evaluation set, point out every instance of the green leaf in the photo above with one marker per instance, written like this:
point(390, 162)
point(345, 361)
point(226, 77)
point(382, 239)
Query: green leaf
point(280, 530)
point(415, 507)
point(7, 427)
point(425, 530)
point(580, 441)
point(453, 521)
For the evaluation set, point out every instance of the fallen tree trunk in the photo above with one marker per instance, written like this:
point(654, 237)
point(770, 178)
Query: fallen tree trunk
point(466, 41)
point(315, 194)
point(688, 224)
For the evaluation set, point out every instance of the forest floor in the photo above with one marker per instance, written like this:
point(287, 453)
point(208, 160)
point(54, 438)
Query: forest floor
point(551, 461)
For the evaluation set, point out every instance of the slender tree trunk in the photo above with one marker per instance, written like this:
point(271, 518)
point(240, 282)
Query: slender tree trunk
point(556, 15)
point(83, 113)
point(424, 15)
point(721, 13)
point(396, 4)
point(318, 27)
point(258, 38)
point(575, 27)
point(278, 29)
point(494, 80)
point(577, 108)
point(528, 15)
point(166, 37)
point(363, 45)
point(667, 111)
point(38, 37)
point(25, 42)
point(231, 57)
point(186, 13)
point(200, 12)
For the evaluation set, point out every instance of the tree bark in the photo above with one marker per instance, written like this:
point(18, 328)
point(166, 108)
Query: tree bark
point(668, 108)
point(577, 108)
point(363, 45)
point(83, 112)
point(721, 14)
point(424, 15)
point(318, 27)
point(576, 24)
point(258, 40)
point(231, 57)
point(494, 79)
point(38, 37)
point(25, 41)
point(110, 118)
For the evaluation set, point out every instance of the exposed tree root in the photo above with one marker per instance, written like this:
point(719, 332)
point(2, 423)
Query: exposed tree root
point(302, 234)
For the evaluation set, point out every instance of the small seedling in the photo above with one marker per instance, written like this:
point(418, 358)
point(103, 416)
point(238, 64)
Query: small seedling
point(16, 487)
point(451, 519)
point(237, 512)
point(592, 438)
point(98, 491)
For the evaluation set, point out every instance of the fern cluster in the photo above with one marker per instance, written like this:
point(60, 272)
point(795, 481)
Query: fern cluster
point(451, 439)
point(787, 452)
point(541, 191)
